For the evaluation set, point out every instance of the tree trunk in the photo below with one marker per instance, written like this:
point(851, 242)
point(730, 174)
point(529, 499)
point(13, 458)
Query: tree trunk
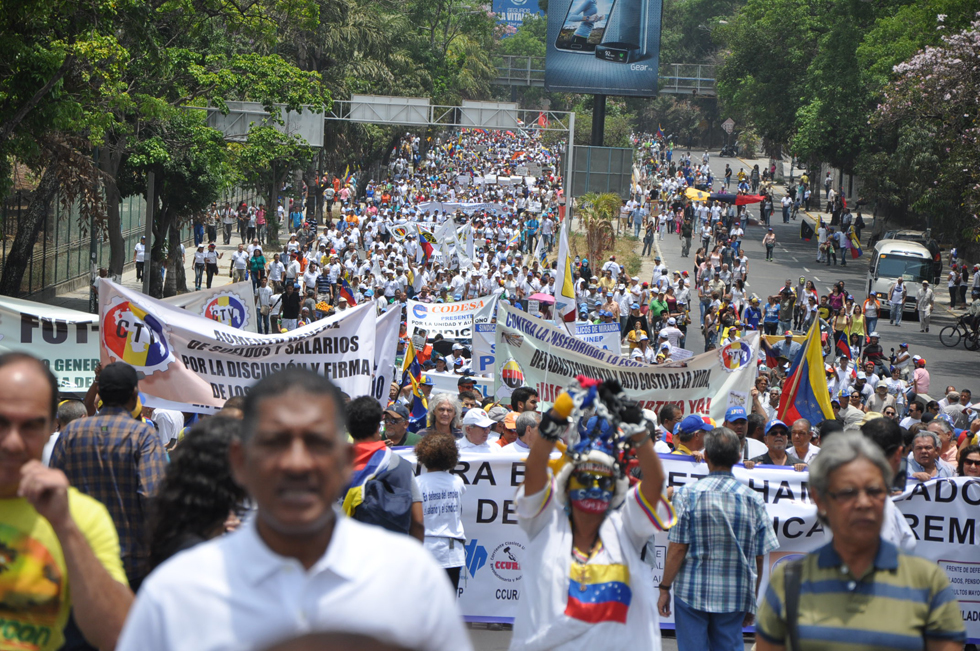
point(28, 227)
point(272, 215)
point(109, 160)
point(158, 257)
point(176, 281)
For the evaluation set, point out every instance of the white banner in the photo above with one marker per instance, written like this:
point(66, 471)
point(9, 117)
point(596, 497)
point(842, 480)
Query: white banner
point(200, 363)
point(942, 515)
point(451, 320)
point(385, 350)
point(232, 305)
point(449, 383)
point(67, 341)
point(602, 335)
point(535, 353)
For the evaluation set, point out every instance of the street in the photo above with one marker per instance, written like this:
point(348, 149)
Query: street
point(486, 640)
point(795, 258)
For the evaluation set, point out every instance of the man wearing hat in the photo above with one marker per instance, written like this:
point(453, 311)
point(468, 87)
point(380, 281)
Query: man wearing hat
point(396, 432)
point(777, 440)
point(689, 436)
point(672, 333)
point(925, 299)
point(130, 463)
point(737, 420)
point(476, 433)
point(787, 347)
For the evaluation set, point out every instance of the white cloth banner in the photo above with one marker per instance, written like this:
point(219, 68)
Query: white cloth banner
point(535, 353)
point(942, 514)
point(468, 207)
point(232, 305)
point(451, 320)
point(67, 341)
point(191, 361)
point(385, 350)
point(603, 335)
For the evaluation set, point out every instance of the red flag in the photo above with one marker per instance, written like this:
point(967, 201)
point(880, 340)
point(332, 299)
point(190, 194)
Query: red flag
point(542, 120)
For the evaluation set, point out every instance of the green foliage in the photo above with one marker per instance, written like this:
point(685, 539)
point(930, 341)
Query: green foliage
point(529, 39)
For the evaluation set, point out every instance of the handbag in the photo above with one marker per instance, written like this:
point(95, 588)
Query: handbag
point(265, 310)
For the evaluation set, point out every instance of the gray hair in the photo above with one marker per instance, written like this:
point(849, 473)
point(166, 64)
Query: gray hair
point(437, 399)
point(685, 437)
point(840, 450)
point(953, 396)
point(946, 427)
point(70, 410)
point(927, 434)
point(722, 447)
point(525, 420)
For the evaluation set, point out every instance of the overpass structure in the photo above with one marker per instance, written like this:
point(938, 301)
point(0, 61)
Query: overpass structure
point(675, 78)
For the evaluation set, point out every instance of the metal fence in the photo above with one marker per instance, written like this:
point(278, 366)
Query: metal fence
point(61, 253)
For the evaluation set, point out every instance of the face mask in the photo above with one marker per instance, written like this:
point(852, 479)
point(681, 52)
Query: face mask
point(591, 493)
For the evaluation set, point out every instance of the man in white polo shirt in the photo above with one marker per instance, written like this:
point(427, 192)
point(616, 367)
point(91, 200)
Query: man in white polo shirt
point(476, 433)
point(298, 565)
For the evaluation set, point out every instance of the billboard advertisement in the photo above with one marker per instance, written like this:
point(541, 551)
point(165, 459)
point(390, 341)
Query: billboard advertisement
point(603, 47)
point(512, 12)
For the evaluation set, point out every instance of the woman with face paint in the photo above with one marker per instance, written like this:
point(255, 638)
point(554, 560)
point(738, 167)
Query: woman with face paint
point(584, 580)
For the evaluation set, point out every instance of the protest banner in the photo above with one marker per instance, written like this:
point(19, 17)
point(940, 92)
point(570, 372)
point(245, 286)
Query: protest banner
point(67, 341)
point(484, 345)
point(194, 364)
point(942, 514)
point(603, 335)
point(385, 350)
point(451, 320)
point(232, 305)
point(449, 383)
point(532, 352)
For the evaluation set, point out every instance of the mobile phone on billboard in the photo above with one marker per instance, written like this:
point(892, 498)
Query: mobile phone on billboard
point(584, 25)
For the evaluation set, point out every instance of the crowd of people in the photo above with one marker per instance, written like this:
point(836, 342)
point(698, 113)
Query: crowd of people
point(290, 513)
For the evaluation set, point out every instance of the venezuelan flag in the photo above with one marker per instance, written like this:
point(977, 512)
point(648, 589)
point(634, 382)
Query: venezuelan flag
point(660, 132)
point(514, 240)
point(805, 392)
point(840, 343)
point(856, 250)
point(347, 292)
point(599, 593)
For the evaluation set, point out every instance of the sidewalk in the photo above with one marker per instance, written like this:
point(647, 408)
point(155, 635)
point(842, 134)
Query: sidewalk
point(79, 299)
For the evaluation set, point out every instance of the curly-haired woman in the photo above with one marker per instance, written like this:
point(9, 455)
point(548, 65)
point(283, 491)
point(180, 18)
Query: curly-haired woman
point(198, 495)
point(442, 502)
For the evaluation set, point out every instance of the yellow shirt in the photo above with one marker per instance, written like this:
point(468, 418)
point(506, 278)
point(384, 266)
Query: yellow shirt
point(33, 577)
point(680, 449)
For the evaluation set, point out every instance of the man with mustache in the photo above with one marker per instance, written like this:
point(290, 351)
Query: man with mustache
point(297, 565)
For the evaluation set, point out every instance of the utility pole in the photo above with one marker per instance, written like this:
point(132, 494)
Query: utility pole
point(598, 119)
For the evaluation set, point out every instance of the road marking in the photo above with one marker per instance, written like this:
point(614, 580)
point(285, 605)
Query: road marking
point(794, 258)
point(806, 270)
point(816, 278)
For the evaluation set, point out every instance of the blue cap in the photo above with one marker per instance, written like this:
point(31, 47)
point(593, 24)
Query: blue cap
point(692, 423)
point(775, 422)
point(369, 292)
point(735, 413)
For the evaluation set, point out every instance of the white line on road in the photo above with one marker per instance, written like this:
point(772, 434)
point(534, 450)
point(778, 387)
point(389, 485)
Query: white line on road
point(817, 279)
point(806, 270)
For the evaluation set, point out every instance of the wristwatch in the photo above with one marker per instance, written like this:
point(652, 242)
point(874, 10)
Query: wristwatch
point(664, 587)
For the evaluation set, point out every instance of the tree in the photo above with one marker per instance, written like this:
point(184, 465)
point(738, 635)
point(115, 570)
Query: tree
point(596, 211)
point(932, 104)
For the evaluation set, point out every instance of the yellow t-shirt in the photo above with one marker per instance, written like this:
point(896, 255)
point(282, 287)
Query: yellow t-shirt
point(34, 593)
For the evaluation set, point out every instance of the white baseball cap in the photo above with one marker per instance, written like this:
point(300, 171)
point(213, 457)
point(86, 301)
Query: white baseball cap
point(477, 417)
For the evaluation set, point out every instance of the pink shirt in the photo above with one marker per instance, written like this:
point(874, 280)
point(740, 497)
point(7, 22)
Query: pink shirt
point(921, 380)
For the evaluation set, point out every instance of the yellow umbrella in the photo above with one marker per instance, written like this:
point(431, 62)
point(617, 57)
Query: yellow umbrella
point(696, 195)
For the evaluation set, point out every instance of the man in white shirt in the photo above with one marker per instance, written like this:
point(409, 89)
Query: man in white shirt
point(526, 425)
point(239, 264)
point(476, 432)
point(298, 565)
point(139, 257)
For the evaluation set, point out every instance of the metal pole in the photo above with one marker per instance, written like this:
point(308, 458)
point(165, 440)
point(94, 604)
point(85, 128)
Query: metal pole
point(148, 231)
point(598, 119)
point(568, 172)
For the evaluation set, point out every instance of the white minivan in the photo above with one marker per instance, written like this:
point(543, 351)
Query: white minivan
point(895, 259)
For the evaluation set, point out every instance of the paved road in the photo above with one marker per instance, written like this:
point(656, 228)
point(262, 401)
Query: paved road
point(795, 258)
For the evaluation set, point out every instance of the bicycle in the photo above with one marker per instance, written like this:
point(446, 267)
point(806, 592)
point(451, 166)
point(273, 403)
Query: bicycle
point(951, 335)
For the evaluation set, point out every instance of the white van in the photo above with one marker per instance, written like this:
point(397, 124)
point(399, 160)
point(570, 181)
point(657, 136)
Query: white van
point(895, 259)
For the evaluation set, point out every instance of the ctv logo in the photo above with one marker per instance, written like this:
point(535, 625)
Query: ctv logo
point(476, 557)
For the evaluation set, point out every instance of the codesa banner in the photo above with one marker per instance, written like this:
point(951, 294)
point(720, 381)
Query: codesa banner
point(533, 352)
point(195, 364)
point(451, 320)
point(941, 513)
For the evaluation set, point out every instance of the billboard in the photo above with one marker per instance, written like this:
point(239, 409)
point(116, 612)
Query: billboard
point(512, 12)
point(603, 47)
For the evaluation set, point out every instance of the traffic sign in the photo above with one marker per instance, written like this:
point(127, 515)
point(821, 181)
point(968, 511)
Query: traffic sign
point(728, 125)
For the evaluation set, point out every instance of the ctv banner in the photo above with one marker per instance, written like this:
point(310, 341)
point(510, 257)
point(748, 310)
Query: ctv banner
point(192, 363)
point(67, 341)
point(533, 352)
point(232, 305)
point(451, 320)
point(941, 513)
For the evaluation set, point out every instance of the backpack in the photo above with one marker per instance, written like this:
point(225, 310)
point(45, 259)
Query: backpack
point(387, 503)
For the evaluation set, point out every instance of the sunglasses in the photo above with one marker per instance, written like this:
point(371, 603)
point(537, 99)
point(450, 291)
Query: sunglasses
point(394, 421)
point(588, 480)
point(971, 462)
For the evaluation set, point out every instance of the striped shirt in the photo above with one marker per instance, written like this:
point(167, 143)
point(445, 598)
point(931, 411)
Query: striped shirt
point(726, 526)
point(899, 602)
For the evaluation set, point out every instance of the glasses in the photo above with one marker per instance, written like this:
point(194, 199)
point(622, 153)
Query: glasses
point(394, 421)
point(848, 495)
point(971, 462)
point(588, 480)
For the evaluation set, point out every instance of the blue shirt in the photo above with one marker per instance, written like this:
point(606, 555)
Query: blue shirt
point(726, 526)
point(945, 470)
point(772, 313)
point(752, 317)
